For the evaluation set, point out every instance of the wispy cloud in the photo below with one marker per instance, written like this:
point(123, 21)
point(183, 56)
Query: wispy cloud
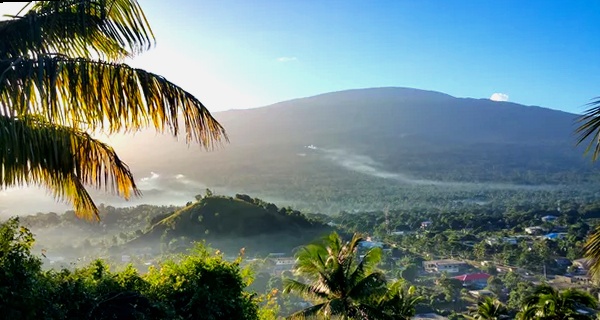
point(153, 176)
point(287, 59)
point(499, 97)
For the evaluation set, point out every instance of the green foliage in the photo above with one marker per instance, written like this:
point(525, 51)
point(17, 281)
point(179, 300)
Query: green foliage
point(399, 302)
point(488, 309)
point(199, 285)
point(548, 303)
point(54, 90)
point(410, 273)
point(342, 284)
point(20, 273)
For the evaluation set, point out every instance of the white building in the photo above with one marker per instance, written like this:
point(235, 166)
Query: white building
point(444, 265)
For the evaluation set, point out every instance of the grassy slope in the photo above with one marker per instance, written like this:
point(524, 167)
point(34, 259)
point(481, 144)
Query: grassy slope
point(229, 223)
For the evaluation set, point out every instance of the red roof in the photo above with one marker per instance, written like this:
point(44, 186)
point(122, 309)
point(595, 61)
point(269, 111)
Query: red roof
point(472, 277)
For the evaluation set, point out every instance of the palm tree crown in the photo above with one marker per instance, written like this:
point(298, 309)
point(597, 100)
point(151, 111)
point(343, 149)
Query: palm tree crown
point(488, 309)
point(547, 303)
point(342, 284)
point(61, 78)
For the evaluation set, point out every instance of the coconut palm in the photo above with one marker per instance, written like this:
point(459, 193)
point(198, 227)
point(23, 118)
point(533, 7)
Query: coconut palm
point(62, 79)
point(342, 284)
point(488, 309)
point(399, 302)
point(547, 303)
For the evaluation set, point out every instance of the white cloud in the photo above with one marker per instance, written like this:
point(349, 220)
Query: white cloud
point(499, 97)
point(287, 59)
point(179, 176)
point(153, 176)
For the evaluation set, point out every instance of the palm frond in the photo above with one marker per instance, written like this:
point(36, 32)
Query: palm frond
point(112, 97)
point(590, 128)
point(305, 290)
point(579, 298)
point(33, 151)
point(592, 252)
point(309, 313)
point(112, 29)
point(371, 258)
point(372, 285)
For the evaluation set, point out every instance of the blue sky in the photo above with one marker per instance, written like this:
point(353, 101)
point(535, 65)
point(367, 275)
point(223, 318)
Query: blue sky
point(238, 53)
point(253, 53)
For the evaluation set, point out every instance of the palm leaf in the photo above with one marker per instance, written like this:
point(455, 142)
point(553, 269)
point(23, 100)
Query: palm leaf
point(592, 252)
point(590, 128)
point(309, 313)
point(112, 29)
point(309, 291)
point(112, 97)
point(372, 285)
point(371, 258)
point(33, 151)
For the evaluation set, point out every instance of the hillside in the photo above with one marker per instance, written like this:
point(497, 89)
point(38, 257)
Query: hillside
point(367, 149)
point(235, 222)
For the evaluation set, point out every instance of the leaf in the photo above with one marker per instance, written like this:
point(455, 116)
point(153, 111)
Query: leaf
point(34, 151)
point(96, 95)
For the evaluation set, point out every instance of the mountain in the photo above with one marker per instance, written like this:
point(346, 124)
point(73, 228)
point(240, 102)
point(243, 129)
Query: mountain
point(367, 149)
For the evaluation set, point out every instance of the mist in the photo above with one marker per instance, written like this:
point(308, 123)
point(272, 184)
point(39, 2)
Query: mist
point(366, 165)
point(157, 189)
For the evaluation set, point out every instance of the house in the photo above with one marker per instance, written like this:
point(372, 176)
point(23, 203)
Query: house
point(549, 218)
point(444, 265)
point(555, 236)
point(428, 316)
point(282, 264)
point(477, 280)
point(401, 232)
point(574, 279)
point(370, 243)
point(481, 293)
point(426, 224)
point(535, 230)
point(506, 240)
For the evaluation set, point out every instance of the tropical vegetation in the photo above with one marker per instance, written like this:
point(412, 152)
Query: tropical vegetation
point(199, 285)
point(345, 284)
point(549, 303)
point(62, 79)
point(488, 308)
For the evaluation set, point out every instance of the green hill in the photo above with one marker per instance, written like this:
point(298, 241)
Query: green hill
point(231, 223)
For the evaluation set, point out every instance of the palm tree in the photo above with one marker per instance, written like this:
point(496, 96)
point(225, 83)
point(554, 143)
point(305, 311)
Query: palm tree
point(399, 302)
point(62, 79)
point(342, 284)
point(488, 309)
point(547, 303)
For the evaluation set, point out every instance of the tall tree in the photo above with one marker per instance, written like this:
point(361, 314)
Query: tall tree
point(547, 303)
point(62, 79)
point(340, 282)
